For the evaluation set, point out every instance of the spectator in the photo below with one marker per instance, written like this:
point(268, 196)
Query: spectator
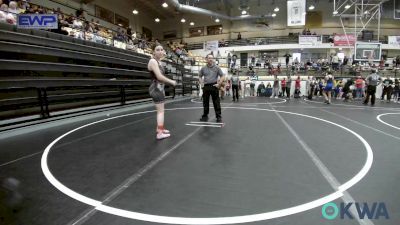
point(261, 89)
point(239, 36)
point(283, 87)
point(4, 7)
point(335, 62)
point(287, 57)
point(345, 61)
point(275, 91)
point(13, 8)
point(387, 89)
point(252, 88)
point(396, 90)
point(297, 83)
point(359, 88)
point(253, 60)
point(250, 72)
point(2, 17)
point(22, 6)
point(10, 18)
point(288, 86)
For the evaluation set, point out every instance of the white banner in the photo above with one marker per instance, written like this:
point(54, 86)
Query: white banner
point(211, 46)
point(296, 13)
point(394, 40)
point(312, 40)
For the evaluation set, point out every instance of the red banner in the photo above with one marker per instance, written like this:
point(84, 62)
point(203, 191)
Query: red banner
point(341, 40)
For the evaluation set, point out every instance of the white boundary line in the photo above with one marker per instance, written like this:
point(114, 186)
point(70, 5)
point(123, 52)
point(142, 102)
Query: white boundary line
point(261, 103)
point(203, 125)
point(324, 171)
point(380, 120)
point(220, 220)
point(212, 123)
point(359, 106)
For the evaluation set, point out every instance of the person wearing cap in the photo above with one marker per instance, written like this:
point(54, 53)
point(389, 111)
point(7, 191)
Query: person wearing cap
point(372, 81)
point(211, 76)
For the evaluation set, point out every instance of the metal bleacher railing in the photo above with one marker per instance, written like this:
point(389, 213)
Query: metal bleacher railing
point(44, 74)
point(291, 39)
point(249, 41)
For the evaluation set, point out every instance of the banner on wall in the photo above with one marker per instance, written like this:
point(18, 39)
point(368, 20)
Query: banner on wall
point(394, 40)
point(312, 40)
point(211, 46)
point(341, 40)
point(296, 13)
point(37, 21)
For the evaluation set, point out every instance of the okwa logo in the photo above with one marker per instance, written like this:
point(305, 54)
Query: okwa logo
point(376, 210)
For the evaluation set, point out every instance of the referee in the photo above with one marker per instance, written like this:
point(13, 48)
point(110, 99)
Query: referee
point(208, 76)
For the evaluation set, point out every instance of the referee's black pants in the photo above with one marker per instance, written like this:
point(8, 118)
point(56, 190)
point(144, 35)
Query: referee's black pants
point(208, 90)
point(235, 92)
point(371, 90)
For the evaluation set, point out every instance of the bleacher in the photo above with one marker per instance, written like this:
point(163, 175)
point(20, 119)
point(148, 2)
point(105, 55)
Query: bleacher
point(43, 74)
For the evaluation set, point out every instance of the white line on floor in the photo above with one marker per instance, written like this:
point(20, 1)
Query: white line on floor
point(361, 124)
point(213, 123)
point(130, 180)
point(203, 125)
point(325, 171)
point(74, 141)
point(380, 120)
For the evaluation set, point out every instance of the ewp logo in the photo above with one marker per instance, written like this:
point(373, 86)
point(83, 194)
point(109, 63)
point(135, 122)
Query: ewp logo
point(38, 21)
point(376, 211)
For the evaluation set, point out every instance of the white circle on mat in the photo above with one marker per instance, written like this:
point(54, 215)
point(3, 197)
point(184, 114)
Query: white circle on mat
point(214, 220)
point(261, 103)
point(380, 120)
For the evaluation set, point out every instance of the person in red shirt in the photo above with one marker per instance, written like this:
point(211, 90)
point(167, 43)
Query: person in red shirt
point(359, 87)
point(297, 84)
point(297, 87)
point(283, 86)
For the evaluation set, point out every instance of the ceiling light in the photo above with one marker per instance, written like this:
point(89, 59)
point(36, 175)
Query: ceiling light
point(311, 7)
point(183, 20)
point(217, 20)
point(135, 12)
point(157, 20)
point(366, 12)
point(244, 12)
point(347, 6)
point(335, 12)
point(276, 9)
point(191, 23)
point(165, 5)
point(273, 14)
